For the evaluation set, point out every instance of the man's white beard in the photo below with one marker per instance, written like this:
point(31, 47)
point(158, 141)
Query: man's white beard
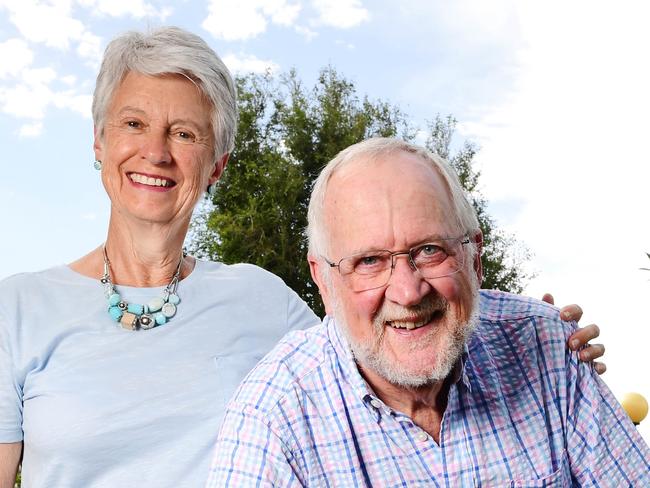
point(450, 336)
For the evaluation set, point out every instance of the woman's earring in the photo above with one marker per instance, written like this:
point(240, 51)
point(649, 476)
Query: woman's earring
point(212, 189)
point(97, 164)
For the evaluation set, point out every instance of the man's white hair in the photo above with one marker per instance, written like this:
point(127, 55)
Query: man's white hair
point(372, 150)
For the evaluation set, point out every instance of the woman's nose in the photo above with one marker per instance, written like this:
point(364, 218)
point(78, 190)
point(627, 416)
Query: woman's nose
point(156, 148)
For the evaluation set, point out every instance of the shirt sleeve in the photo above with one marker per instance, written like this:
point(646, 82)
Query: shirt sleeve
point(249, 452)
point(299, 315)
point(603, 445)
point(10, 390)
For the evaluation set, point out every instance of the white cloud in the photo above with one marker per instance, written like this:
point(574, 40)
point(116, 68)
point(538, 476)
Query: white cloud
point(246, 19)
point(25, 101)
point(345, 44)
point(341, 14)
point(90, 49)
point(49, 23)
point(31, 130)
point(68, 80)
point(38, 76)
point(33, 95)
point(121, 8)
point(306, 32)
point(569, 145)
point(249, 64)
point(15, 56)
point(77, 103)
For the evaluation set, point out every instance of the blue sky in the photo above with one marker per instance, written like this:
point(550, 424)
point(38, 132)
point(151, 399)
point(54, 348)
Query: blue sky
point(555, 94)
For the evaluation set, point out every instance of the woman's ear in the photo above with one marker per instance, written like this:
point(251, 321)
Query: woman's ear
point(219, 166)
point(98, 145)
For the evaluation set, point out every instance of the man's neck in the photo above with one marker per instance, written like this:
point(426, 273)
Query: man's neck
point(425, 405)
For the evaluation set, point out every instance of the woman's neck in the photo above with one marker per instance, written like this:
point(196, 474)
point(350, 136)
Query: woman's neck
point(141, 255)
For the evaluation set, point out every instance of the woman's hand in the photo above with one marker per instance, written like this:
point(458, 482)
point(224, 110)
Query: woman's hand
point(582, 336)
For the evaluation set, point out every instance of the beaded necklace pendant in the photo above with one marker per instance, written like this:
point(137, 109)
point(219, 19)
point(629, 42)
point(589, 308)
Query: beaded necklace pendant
point(134, 316)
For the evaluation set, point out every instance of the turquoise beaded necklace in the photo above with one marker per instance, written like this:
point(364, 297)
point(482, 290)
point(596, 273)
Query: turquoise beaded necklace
point(133, 316)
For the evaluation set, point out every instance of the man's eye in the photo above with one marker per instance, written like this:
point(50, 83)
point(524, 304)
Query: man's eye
point(368, 261)
point(372, 262)
point(134, 124)
point(429, 254)
point(429, 250)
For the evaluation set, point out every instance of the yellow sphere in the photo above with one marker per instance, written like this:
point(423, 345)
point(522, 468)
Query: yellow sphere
point(636, 406)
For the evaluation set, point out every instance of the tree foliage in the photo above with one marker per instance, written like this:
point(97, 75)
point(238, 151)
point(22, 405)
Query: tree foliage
point(503, 257)
point(286, 134)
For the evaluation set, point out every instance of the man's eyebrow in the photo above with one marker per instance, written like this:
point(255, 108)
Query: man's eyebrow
point(429, 239)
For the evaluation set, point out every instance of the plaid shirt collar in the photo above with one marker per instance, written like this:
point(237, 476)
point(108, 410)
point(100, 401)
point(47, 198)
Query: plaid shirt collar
point(348, 365)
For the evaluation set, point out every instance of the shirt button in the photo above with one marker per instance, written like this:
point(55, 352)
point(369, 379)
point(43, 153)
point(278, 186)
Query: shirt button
point(422, 436)
point(375, 403)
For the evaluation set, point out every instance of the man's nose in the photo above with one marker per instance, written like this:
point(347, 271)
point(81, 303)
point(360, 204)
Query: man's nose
point(156, 147)
point(406, 286)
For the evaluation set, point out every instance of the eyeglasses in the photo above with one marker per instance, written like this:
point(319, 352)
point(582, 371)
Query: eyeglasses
point(373, 269)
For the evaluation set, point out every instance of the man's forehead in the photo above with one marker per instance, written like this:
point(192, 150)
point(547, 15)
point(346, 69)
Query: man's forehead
point(393, 201)
point(379, 165)
point(391, 178)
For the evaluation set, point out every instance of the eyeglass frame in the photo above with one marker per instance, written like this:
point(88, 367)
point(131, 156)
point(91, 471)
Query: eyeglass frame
point(462, 240)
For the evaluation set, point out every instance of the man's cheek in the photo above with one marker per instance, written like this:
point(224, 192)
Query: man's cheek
point(449, 287)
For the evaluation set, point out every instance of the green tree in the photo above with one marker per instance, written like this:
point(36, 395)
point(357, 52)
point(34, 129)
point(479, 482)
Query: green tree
point(286, 134)
point(503, 256)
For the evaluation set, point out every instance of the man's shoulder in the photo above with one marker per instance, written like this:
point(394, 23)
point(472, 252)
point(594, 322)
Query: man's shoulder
point(518, 340)
point(287, 369)
point(498, 305)
point(502, 312)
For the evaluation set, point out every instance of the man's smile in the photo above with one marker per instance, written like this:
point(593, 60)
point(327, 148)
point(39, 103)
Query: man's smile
point(411, 323)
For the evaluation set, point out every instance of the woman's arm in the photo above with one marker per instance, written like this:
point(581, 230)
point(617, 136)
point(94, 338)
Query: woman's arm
point(9, 460)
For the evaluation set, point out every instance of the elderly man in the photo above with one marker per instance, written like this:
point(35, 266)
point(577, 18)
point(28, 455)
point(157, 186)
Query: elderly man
point(416, 378)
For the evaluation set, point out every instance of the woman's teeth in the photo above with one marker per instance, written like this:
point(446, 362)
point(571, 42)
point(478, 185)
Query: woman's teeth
point(147, 180)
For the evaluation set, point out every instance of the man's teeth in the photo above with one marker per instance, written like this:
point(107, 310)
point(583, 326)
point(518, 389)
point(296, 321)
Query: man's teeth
point(399, 324)
point(147, 180)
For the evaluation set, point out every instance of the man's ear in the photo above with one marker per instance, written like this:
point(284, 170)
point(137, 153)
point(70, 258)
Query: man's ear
point(478, 266)
point(219, 166)
point(316, 268)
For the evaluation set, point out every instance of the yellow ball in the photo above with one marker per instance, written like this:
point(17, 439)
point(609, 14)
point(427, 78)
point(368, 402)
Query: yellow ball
point(636, 406)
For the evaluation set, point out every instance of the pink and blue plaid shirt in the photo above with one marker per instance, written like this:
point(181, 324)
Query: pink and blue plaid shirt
point(524, 412)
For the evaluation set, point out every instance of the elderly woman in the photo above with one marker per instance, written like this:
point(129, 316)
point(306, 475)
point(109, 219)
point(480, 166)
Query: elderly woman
point(115, 369)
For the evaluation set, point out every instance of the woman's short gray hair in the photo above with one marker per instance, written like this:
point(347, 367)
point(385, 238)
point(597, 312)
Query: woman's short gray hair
point(170, 50)
point(372, 149)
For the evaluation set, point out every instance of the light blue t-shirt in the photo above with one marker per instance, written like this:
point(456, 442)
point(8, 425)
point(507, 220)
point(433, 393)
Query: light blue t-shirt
point(100, 406)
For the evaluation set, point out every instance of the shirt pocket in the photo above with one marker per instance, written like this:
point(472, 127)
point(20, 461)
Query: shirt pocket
point(559, 479)
point(231, 370)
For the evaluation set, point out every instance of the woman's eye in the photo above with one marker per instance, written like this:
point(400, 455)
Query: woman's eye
point(184, 135)
point(134, 124)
